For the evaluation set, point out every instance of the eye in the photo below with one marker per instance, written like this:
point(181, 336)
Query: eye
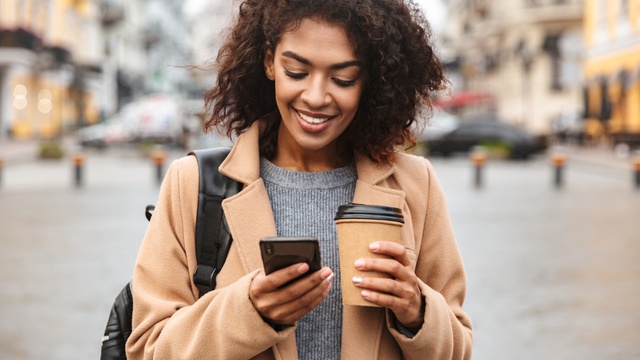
point(294, 75)
point(344, 83)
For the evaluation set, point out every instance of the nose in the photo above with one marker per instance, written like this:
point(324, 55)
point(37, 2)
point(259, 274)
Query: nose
point(316, 94)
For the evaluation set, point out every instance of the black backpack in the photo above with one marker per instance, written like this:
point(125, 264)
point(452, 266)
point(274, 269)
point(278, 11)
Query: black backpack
point(212, 246)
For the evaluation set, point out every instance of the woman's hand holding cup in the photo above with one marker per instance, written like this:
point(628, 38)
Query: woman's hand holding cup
point(400, 293)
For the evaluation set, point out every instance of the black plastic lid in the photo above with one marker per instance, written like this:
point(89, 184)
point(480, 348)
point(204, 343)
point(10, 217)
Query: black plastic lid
point(369, 212)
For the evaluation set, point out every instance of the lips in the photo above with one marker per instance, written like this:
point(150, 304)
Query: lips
point(315, 120)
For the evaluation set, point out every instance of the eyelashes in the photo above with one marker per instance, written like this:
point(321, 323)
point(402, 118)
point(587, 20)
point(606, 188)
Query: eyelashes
point(295, 76)
point(344, 83)
point(339, 82)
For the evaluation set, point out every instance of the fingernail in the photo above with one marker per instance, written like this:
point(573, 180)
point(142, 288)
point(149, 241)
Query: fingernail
point(374, 247)
point(303, 268)
point(365, 294)
point(326, 274)
point(330, 278)
point(357, 280)
point(359, 263)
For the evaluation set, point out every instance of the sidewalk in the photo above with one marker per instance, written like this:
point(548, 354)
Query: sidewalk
point(20, 151)
point(595, 155)
point(26, 151)
point(12, 151)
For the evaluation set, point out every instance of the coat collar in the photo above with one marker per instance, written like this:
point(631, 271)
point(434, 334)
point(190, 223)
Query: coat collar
point(243, 162)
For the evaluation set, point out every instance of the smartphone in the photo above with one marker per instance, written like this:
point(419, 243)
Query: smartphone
point(279, 252)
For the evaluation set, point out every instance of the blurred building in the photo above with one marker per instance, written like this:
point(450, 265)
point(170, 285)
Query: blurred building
point(68, 63)
point(612, 70)
point(49, 66)
point(524, 54)
point(146, 49)
point(168, 43)
point(125, 59)
point(208, 21)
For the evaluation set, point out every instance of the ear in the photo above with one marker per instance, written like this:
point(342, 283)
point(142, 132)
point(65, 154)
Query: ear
point(268, 64)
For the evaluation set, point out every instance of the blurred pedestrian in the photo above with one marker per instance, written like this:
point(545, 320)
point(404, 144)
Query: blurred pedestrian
point(322, 96)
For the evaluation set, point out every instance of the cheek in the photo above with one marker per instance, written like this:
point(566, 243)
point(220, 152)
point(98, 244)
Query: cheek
point(285, 91)
point(350, 101)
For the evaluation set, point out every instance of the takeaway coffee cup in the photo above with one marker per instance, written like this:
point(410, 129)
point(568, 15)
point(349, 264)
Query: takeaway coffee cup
point(358, 226)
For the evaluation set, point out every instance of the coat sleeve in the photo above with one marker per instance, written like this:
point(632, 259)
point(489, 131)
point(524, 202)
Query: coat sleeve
point(169, 321)
point(446, 332)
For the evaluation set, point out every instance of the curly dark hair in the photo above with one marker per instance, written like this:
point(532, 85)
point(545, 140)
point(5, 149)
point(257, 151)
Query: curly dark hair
point(392, 39)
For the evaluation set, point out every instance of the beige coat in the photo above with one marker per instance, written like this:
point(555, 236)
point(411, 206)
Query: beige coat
point(170, 322)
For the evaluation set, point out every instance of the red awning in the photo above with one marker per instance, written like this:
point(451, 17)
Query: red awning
point(464, 98)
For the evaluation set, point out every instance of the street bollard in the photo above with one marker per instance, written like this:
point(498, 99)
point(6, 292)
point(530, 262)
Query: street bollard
point(558, 160)
point(478, 159)
point(636, 171)
point(78, 164)
point(159, 157)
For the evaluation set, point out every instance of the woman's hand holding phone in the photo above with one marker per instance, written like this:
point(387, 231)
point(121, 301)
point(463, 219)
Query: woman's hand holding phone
point(283, 302)
point(294, 284)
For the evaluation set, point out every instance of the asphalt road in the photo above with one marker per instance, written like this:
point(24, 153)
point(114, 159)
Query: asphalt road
point(552, 273)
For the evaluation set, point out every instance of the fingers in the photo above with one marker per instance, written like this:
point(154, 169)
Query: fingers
point(408, 310)
point(388, 266)
point(392, 287)
point(401, 292)
point(292, 311)
point(281, 302)
point(402, 297)
point(395, 250)
point(283, 276)
point(404, 280)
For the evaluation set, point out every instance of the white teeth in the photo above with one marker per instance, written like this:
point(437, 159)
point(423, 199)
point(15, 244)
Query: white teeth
point(312, 120)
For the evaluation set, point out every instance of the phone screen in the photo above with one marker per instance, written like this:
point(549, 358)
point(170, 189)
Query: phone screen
point(279, 252)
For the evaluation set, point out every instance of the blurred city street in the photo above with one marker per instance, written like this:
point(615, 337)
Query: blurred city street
point(553, 273)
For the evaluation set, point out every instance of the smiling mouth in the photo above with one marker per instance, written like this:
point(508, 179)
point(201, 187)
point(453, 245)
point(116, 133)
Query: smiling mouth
point(313, 120)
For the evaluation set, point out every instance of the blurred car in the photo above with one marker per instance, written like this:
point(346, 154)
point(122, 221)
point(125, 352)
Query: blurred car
point(112, 131)
point(156, 118)
point(493, 134)
point(440, 124)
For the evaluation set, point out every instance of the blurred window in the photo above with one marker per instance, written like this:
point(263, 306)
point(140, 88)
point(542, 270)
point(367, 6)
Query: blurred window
point(21, 15)
point(601, 15)
point(624, 9)
point(624, 21)
point(551, 47)
point(467, 130)
point(571, 48)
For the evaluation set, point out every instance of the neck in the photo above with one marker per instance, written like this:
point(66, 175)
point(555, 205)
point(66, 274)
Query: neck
point(308, 161)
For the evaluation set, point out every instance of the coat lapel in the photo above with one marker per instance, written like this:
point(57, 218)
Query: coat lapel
point(249, 212)
point(368, 190)
point(362, 326)
point(250, 218)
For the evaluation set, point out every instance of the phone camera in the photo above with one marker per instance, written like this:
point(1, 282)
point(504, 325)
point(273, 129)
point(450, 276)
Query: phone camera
point(269, 249)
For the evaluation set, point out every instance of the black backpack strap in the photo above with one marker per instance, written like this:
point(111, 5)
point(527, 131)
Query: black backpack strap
point(213, 238)
point(212, 246)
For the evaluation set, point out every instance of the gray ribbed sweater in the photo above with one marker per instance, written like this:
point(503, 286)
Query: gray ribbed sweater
point(304, 204)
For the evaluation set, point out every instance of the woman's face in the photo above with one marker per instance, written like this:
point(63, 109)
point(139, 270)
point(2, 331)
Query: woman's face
point(318, 86)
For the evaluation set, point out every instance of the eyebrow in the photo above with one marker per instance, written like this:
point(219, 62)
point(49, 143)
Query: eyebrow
point(338, 66)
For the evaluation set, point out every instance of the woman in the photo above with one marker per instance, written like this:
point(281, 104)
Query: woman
point(322, 94)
